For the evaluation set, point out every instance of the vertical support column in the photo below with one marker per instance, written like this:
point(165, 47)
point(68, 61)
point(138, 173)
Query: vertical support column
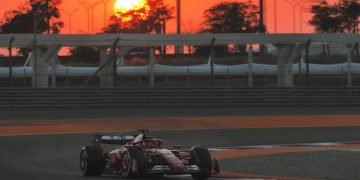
point(152, 66)
point(39, 70)
point(212, 63)
point(122, 60)
point(250, 64)
point(107, 73)
point(33, 68)
point(349, 67)
point(53, 71)
point(307, 61)
point(40, 66)
point(287, 53)
point(122, 52)
point(10, 61)
point(114, 67)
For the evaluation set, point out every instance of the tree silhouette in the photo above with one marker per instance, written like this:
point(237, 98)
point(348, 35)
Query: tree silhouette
point(349, 13)
point(340, 17)
point(325, 19)
point(89, 55)
point(229, 17)
point(148, 19)
point(21, 20)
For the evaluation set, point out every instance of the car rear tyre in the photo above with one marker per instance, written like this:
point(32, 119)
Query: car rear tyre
point(133, 163)
point(202, 158)
point(92, 161)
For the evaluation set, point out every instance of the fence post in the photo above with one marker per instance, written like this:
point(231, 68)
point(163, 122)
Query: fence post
point(152, 65)
point(25, 84)
point(107, 62)
point(307, 59)
point(53, 72)
point(10, 61)
point(227, 77)
point(212, 61)
point(67, 77)
point(349, 66)
point(250, 64)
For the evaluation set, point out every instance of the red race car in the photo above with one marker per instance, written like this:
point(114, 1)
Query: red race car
point(144, 156)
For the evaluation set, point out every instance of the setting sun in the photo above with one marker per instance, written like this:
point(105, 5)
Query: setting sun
point(123, 6)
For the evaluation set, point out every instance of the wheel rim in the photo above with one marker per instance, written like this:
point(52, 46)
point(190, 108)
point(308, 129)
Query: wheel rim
point(126, 164)
point(83, 161)
point(134, 167)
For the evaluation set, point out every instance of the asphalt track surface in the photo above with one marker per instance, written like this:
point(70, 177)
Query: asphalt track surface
point(44, 157)
point(327, 164)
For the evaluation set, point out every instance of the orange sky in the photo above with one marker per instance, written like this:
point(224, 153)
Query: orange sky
point(192, 11)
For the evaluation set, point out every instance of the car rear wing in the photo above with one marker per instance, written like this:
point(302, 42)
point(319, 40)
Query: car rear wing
point(113, 139)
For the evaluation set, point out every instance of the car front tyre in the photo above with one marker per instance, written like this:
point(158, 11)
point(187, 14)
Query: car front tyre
point(92, 161)
point(202, 158)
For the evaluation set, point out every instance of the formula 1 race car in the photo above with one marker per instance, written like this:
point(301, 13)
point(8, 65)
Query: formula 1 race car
point(143, 156)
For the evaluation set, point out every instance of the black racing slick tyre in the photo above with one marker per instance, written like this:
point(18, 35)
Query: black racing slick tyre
point(92, 162)
point(202, 158)
point(133, 163)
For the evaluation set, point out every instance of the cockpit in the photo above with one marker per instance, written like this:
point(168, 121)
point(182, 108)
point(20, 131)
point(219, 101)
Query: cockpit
point(147, 142)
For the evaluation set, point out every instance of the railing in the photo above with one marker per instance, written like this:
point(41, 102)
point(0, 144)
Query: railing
point(25, 40)
point(288, 45)
point(177, 97)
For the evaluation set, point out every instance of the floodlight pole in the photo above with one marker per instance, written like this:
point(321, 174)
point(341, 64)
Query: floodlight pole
point(261, 24)
point(301, 8)
point(105, 2)
point(34, 78)
point(88, 14)
point(70, 14)
point(294, 14)
point(294, 4)
point(48, 16)
point(178, 16)
point(265, 12)
point(92, 7)
point(178, 49)
point(275, 16)
point(301, 18)
point(261, 21)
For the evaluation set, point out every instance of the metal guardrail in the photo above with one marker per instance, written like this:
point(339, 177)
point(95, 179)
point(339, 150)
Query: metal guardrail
point(25, 40)
point(167, 98)
point(295, 42)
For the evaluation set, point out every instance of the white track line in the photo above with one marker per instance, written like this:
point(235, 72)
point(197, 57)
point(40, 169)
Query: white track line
point(283, 145)
point(217, 178)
